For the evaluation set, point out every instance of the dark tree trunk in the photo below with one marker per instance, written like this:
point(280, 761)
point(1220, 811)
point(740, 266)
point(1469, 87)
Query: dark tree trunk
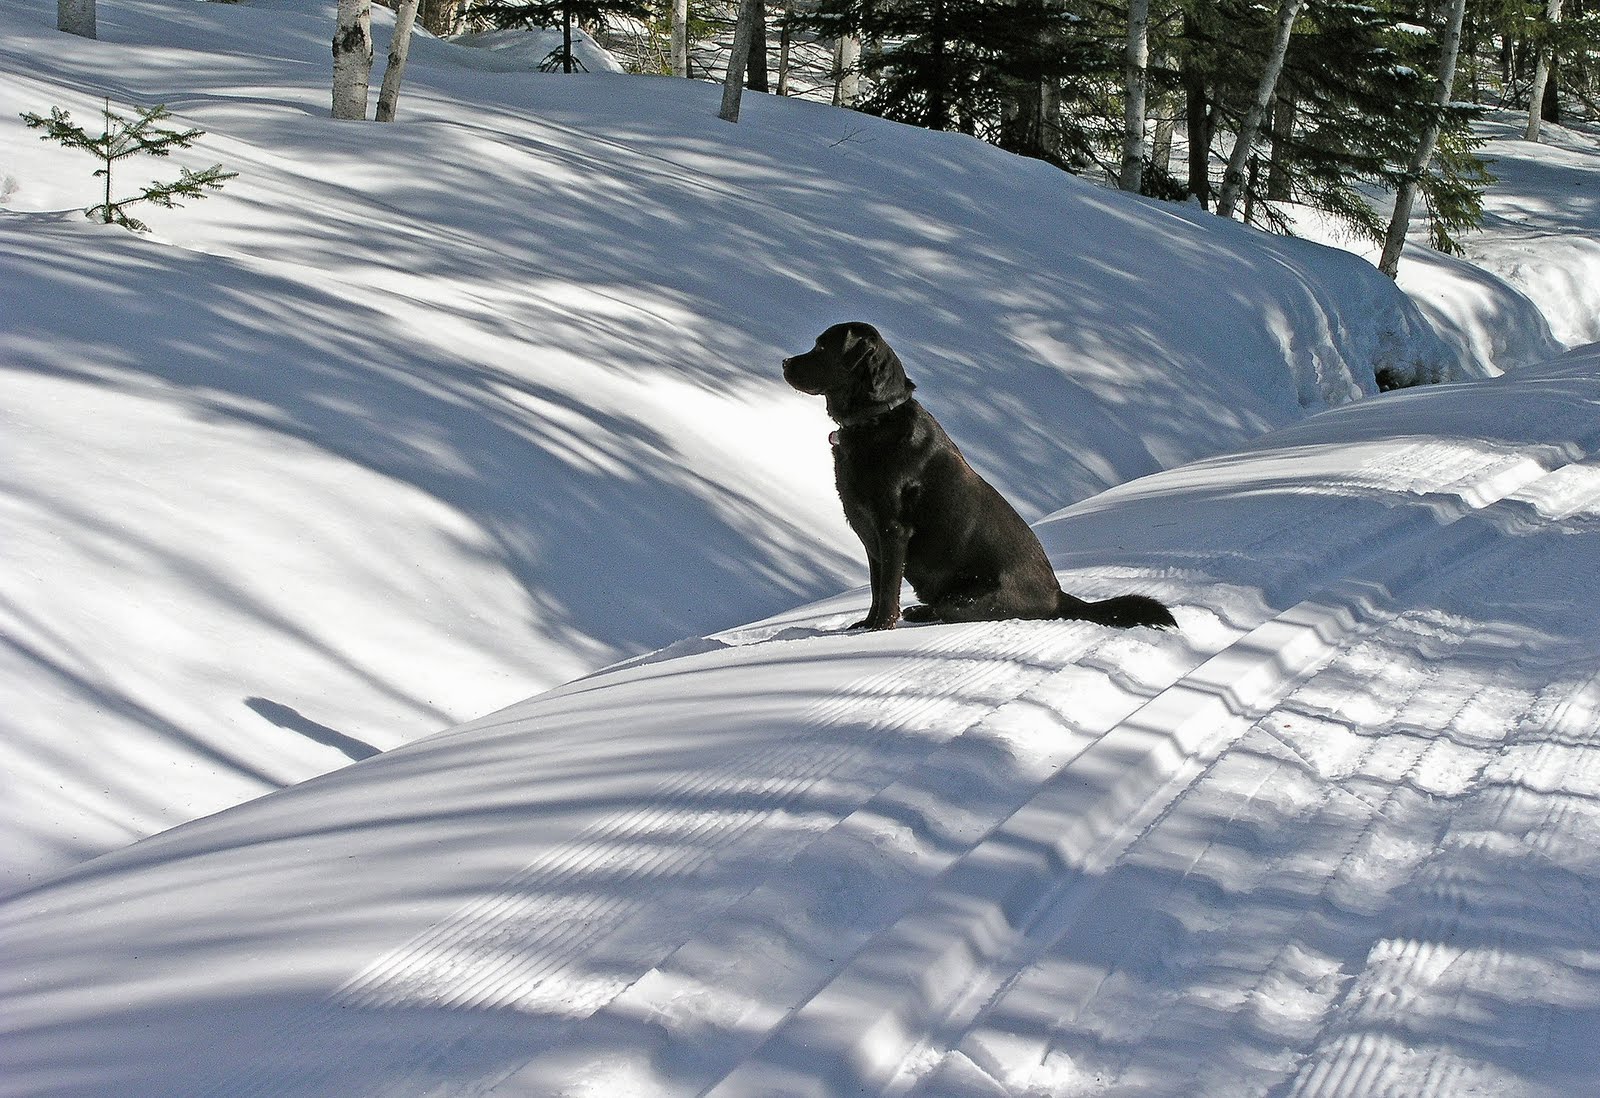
point(756, 76)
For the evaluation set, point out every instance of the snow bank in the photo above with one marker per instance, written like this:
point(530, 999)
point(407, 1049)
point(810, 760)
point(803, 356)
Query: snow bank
point(1528, 285)
point(414, 420)
point(1337, 828)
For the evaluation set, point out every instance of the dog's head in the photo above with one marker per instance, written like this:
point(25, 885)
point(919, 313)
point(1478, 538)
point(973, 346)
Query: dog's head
point(854, 368)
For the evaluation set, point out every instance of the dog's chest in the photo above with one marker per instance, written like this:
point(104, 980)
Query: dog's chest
point(877, 474)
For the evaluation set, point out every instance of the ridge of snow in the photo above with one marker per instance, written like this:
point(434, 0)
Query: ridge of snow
point(1251, 854)
point(415, 419)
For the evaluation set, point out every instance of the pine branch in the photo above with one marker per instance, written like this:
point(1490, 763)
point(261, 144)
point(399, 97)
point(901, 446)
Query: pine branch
point(188, 185)
point(122, 138)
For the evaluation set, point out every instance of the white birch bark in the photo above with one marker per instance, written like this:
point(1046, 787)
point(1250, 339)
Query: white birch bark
point(1136, 70)
point(352, 59)
point(1541, 75)
point(405, 16)
point(680, 37)
point(1233, 177)
point(1406, 198)
point(847, 82)
point(744, 32)
point(76, 17)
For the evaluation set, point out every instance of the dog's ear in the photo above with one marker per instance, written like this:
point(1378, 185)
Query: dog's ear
point(878, 374)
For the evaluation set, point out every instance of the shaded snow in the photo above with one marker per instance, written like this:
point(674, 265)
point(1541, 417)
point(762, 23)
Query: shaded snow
point(414, 420)
point(1337, 828)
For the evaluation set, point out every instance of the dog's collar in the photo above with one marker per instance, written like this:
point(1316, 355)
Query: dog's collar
point(861, 419)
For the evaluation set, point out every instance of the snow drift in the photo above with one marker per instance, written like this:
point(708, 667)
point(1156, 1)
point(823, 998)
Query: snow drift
point(414, 420)
point(1333, 837)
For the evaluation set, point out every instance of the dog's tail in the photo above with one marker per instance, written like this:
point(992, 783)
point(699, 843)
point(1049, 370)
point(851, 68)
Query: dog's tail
point(1123, 611)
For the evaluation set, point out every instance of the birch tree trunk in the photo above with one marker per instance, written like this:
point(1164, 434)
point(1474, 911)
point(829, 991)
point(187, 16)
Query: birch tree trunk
point(847, 81)
point(1136, 69)
point(1541, 74)
point(744, 33)
point(76, 17)
point(352, 59)
point(395, 71)
point(1449, 50)
point(1233, 178)
point(680, 37)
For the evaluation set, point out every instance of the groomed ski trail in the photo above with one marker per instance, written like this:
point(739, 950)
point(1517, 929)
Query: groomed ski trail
point(1011, 858)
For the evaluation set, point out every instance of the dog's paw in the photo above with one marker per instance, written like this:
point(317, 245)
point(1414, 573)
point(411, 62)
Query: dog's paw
point(873, 623)
point(920, 613)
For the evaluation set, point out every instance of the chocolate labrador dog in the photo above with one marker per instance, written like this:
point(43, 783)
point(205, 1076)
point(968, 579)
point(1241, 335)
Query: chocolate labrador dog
point(921, 511)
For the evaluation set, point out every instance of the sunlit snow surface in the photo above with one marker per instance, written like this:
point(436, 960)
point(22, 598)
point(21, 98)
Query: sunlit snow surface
point(1336, 829)
point(413, 421)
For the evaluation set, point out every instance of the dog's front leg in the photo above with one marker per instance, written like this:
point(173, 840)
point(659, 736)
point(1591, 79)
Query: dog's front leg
point(888, 569)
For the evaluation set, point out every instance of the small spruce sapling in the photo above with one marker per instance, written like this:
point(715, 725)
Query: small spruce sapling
point(122, 138)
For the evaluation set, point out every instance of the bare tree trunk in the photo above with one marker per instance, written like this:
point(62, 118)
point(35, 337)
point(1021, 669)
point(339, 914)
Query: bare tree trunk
point(1278, 184)
point(1161, 146)
point(785, 36)
point(680, 37)
point(846, 59)
point(1050, 119)
point(76, 17)
point(352, 59)
point(1197, 119)
point(1233, 179)
point(1449, 50)
point(733, 84)
point(395, 71)
point(1136, 69)
point(1541, 74)
point(1198, 128)
point(437, 16)
point(756, 65)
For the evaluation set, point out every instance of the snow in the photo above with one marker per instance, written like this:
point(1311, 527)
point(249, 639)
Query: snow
point(411, 422)
point(455, 409)
point(1528, 285)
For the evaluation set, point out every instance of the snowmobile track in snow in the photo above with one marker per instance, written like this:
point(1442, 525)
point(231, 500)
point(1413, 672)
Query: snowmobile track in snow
point(1360, 1063)
point(516, 946)
point(1047, 860)
point(1114, 775)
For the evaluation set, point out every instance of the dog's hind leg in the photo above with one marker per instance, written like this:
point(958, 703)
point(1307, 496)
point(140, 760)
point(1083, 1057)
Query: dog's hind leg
point(964, 606)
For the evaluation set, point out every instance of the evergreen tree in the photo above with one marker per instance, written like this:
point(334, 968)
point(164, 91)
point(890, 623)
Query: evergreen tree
point(555, 13)
point(995, 69)
point(1345, 114)
point(125, 137)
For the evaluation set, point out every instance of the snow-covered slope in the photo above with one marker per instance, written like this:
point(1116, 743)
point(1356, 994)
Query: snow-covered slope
point(414, 420)
point(1528, 285)
point(1539, 222)
point(1334, 836)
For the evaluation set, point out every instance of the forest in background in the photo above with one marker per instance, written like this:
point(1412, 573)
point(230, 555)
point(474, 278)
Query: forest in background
point(1245, 108)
